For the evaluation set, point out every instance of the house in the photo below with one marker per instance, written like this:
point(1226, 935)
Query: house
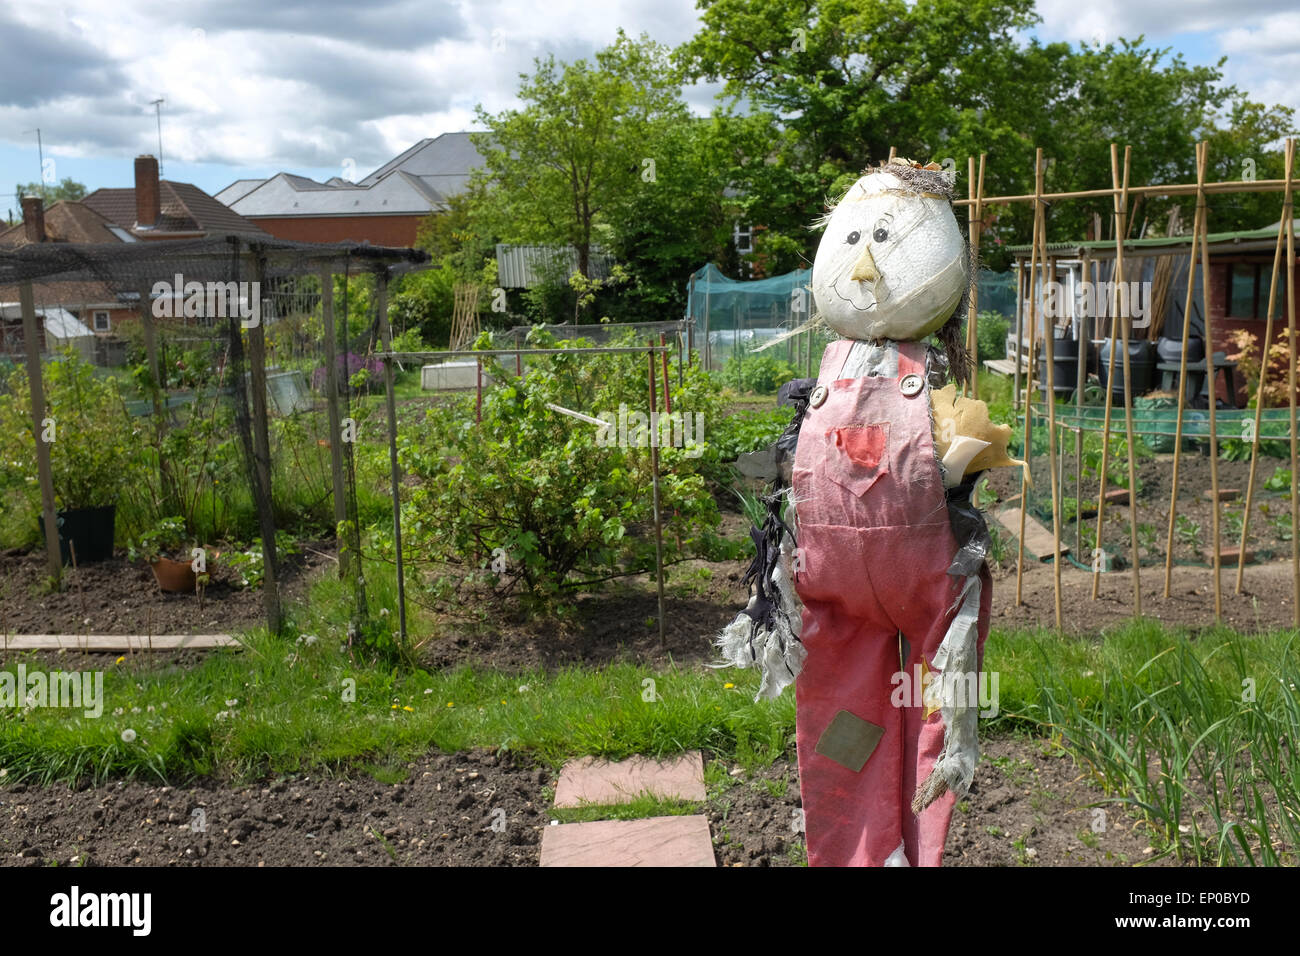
point(384, 208)
point(61, 327)
point(152, 210)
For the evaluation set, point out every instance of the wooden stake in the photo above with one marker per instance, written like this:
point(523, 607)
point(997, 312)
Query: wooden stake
point(1263, 371)
point(337, 474)
point(1019, 326)
point(1110, 375)
point(975, 225)
point(390, 397)
point(33, 339)
point(668, 399)
point(1029, 381)
point(1081, 383)
point(654, 477)
point(1125, 321)
point(1215, 504)
point(262, 457)
point(1182, 370)
point(1287, 216)
point(1049, 336)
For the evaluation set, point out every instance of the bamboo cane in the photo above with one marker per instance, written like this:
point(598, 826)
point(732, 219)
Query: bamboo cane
point(654, 478)
point(1081, 383)
point(1126, 320)
point(1263, 375)
point(1182, 374)
point(1049, 335)
point(976, 226)
point(1291, 381)
point(1019, 327)
point(1214, 400)
point(1029, 373)
point(1110, 376)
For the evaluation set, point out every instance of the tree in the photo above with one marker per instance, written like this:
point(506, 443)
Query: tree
point(555, 170)
point(68, 189)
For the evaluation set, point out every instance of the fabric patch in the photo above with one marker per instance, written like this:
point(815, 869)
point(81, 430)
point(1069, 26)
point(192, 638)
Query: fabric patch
point(849, 740)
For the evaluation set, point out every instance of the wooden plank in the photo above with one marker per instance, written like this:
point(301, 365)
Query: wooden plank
point(116, 642)
point(1038, 540)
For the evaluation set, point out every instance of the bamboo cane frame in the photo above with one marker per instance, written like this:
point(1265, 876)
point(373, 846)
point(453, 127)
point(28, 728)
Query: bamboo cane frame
point(1126, 321)
point(1018, 327)
point(1214, 399)
point(1029, 373)
point(1182, 374)
point(1081, 383)
point(1263, 366)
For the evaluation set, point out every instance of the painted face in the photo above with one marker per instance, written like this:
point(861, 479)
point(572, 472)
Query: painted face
point(891, 265)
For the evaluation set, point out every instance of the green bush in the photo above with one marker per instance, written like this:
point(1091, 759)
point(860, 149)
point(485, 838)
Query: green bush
point(991, 335)
point(558, 499)
point(756, 374)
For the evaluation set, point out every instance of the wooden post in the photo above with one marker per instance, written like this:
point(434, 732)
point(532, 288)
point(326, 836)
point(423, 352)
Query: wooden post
point(33, 339)
point(654, 478)
point(1126, 320)
point(262, 455)
point(1019, 326)
point(1029, 371)
point(478, 380)
point(335, 422)
point(1263, 367)
point(390, 397)
point(668, 399)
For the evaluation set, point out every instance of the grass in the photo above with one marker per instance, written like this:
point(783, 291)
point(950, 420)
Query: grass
point(1193, 733)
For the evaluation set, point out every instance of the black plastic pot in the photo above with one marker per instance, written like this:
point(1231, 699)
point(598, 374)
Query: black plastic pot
point(1171, 350)
point(1065, 366)
point(89, 530)
point(1142, 367)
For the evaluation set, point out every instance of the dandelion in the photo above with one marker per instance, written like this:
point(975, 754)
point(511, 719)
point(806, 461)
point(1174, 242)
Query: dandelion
point(524, 688)
point(411, 709)
point(128, 735)
point(394, 707)
point(428, 691)
point(503, 701)
point(119, 660)
point(233, 703)
point(450, 704)
point(119, 712)
point(728, 686)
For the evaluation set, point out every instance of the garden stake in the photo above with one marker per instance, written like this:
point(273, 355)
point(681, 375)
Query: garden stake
point(1019, 326)
point(1182, 372)
point(390, 398)
point(335, 422)
point(1049, 336)
point(1081, 383)
point(975, 225)
point(1263, 372)
point(1295, 355)
point(1214, 393)
point(1034, 263)
point(654, 478)
point(1125, 321)
point(478, 408)
point(32, 338)
point(1110, 380)
point(668, 399)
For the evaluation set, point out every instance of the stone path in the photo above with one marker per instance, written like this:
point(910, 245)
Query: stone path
point(653, 841)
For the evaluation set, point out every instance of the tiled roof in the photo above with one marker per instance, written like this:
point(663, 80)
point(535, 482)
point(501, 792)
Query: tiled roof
point(184, 208)
point(65, 221)
point(72, 295)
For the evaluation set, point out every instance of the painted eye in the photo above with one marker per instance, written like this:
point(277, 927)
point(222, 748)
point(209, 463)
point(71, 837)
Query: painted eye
point(880, 235)
point(853, 237)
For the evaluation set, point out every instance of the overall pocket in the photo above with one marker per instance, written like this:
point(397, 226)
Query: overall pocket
point(857, 455)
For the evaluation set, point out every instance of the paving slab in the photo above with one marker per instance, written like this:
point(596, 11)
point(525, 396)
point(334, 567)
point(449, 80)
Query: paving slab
point(588, 780)
point(653, 841)
point(1038, 539)
point(115, 642)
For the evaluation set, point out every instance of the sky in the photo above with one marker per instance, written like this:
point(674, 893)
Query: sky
point(338, 87)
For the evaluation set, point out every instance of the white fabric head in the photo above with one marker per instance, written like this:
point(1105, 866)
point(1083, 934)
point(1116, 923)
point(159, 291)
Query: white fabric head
point(891, 264)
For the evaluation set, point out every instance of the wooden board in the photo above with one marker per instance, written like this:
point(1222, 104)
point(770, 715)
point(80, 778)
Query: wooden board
point(1038, 539)
point(115, 642)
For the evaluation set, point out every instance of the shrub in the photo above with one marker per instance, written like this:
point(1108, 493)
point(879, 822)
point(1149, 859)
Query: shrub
point(757, 374)
point(365, 374)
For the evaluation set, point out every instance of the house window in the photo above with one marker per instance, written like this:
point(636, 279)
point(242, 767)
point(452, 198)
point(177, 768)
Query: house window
point(1248, 284)
point(743, 236)
point(101, 322)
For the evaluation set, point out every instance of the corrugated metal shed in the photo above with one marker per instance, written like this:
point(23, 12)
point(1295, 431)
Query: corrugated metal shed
point(524, 267)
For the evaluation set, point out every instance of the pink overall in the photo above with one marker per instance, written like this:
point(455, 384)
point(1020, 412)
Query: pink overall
point(876, 545)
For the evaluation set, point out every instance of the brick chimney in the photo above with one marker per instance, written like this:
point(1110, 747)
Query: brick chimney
point(34, 218)
point(147, 201)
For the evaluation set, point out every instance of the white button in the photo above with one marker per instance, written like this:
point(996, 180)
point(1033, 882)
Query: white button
point(910, 385)
point(818, 396)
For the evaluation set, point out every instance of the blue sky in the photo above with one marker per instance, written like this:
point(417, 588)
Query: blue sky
point(252, 89)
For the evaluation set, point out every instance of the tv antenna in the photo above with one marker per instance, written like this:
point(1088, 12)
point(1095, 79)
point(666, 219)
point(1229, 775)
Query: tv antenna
point(40, 152)
point(157, 106)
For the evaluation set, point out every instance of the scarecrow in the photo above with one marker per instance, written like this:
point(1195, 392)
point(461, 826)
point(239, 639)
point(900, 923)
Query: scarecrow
point(870, 590)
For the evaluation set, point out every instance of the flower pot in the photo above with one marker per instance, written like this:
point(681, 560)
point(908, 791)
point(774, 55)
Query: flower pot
point(89, 530)
point(173, 576)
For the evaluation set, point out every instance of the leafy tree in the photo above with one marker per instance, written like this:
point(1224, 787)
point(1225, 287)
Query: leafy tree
point(581, 144)
point(67, 189)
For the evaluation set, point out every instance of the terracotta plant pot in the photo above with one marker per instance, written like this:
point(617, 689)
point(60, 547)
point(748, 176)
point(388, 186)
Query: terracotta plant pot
point(173, 576)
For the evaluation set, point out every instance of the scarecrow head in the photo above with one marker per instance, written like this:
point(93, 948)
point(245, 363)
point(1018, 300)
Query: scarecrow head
point(892, 263)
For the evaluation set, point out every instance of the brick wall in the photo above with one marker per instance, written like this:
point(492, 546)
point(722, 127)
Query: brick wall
point(378, 230)
point(1224, 326)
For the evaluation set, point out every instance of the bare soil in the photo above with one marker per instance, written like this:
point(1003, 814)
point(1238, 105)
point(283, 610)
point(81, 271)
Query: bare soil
point(477, 808)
